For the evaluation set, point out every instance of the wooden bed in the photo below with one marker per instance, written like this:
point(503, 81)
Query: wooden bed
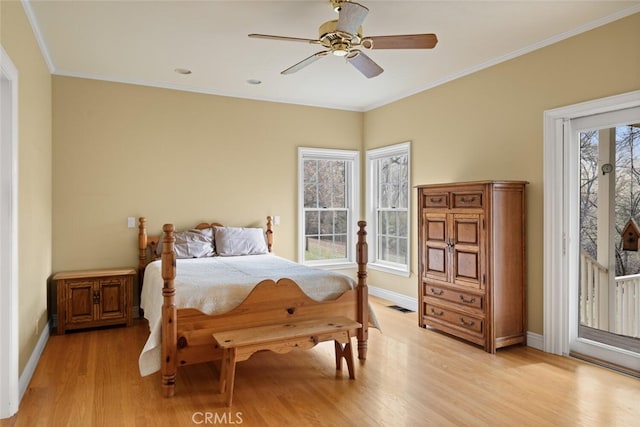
point(187, 333)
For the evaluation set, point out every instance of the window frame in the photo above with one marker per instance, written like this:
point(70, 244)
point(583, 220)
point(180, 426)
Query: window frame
point(372, 185)
point(352, 188)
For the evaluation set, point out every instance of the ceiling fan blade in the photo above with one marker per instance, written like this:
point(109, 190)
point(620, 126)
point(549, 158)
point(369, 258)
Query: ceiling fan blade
point(351, 16)
point(365, 65)
point(291, 39)
point(408, 41)
point(300, 65)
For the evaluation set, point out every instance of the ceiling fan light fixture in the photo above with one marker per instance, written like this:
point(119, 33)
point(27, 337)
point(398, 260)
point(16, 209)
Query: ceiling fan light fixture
point(340, 48)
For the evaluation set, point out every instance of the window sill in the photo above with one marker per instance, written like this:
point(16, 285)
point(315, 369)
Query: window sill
point(388, 269)
point(334, 265)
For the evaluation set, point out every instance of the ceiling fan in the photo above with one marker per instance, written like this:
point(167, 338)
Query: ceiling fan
point(343, 37)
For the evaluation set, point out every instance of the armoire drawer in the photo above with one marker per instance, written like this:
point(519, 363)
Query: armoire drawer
point(435, 200)
point(471, 199)
point(456, 296)
point(459, 320)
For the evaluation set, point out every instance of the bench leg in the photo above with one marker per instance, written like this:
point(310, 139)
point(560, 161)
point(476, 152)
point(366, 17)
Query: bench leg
point(228, 373)
point(346, 353)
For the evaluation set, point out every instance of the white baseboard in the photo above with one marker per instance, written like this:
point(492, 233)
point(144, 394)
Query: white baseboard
point(533, 340)
point(32, 363)
point(396, 298)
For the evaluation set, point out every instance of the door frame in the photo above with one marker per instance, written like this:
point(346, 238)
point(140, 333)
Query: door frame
point(9, 339)
point(558, 307)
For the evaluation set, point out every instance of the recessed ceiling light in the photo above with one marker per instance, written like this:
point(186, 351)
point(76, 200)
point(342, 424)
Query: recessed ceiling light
point(254, 81)
point(182, 71)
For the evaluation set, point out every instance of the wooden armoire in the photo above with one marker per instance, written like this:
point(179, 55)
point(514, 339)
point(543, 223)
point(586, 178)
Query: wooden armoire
point(471, 257)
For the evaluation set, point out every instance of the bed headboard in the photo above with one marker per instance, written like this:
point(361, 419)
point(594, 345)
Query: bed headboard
point(147, 244)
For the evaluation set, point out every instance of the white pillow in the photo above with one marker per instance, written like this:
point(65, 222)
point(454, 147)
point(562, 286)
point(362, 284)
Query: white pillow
point(233, 241)
point(192, 243)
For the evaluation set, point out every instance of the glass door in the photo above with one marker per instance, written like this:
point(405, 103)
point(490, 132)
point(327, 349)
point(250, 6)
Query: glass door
point(608, 290)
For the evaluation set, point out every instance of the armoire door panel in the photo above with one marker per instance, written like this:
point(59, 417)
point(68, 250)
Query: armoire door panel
point(436, 230)
point(436, 261)
point(466, 229)
point(466, 233)
point(467, 266)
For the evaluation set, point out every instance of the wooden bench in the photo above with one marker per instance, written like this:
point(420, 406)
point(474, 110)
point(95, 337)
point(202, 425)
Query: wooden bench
point(238, 345)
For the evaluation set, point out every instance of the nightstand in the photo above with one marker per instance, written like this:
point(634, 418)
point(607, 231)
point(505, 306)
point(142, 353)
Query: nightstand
point(92, 298)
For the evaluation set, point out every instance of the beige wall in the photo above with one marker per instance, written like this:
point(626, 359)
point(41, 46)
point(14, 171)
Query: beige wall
point(34, 174)
point(124, 150)
point(488, 125)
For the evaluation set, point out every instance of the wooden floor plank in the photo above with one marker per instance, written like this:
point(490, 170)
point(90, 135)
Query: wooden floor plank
point(412, 377)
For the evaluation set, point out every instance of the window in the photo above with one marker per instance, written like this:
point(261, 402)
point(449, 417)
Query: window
point(328, 195)
point(388, 199)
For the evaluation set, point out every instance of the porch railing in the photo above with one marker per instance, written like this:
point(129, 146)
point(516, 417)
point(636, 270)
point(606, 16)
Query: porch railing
point(594, 299)
point(628, 305)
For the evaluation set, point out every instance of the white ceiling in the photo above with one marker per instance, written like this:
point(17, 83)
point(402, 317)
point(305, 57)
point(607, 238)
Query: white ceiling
point(143, 42)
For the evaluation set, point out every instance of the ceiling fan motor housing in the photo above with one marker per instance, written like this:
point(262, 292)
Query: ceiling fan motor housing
point(339, 42)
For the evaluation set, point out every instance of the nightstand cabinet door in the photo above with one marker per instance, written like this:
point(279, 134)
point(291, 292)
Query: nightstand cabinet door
point(94, 298)
point(112, 301)
point(80, 301)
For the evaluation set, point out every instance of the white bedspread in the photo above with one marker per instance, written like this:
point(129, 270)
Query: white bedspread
point(218, 284)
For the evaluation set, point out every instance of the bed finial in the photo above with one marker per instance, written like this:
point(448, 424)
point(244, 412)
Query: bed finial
point(142, 245)
point(269, 232)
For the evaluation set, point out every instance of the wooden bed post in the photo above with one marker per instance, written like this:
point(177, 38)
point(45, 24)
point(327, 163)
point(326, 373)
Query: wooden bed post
point(269, 232)
point(142, 249)
point(362, 256)
point(169, 313)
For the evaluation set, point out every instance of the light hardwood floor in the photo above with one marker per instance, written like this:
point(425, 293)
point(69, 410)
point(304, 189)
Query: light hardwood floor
point(412, 377)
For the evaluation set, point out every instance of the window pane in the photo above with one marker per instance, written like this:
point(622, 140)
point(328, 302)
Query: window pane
point(311, 222)
point(333, 247)
point(341, 222)
point(403, 228)
point(382, 222)
point(326, 222)
point(403, 244)
point(310, 195)
point(331, 183)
